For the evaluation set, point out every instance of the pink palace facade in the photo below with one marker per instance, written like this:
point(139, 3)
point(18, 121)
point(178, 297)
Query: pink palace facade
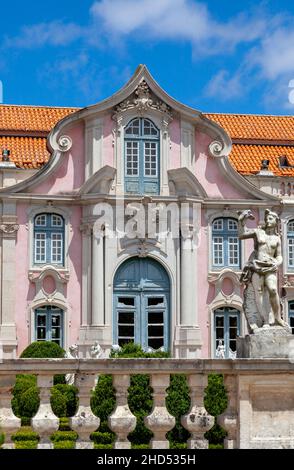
point(67, 279)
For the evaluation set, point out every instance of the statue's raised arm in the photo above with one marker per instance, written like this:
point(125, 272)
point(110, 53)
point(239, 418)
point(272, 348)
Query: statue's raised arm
point(243, 231)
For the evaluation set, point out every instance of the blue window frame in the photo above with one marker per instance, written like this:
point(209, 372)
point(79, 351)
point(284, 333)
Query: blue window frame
point(49, 239)
point(290, 244)
point(141, 304)
point(226, 247)
point(291, 315)
point(226, 330)
point(141, 157)
point(49, 324)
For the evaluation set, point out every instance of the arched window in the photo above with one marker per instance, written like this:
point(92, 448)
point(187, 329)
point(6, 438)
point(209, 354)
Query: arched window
point(49, 239)
point(225, 243)
point(141, 157)
point(290, 244)
point(226, 330)
point(49, 324)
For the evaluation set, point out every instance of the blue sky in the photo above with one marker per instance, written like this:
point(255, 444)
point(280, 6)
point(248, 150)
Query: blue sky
point(216, 56)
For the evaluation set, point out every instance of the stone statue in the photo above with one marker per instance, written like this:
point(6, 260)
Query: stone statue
point(72, 353)
point(96, 351)
point(260, 274)
point(220, 350)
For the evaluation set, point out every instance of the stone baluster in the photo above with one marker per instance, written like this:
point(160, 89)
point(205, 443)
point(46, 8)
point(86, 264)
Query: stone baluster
point(45, 423)
point(122, 421)
point(9, 423)
point(84, 422)
point(198, 420)
point(228, 420)
point(159, 421)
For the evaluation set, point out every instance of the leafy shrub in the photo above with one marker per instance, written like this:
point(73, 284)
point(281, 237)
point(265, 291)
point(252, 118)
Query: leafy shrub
point(64, 424)
point(64, 445)
point(26, 444)
point(102, 437)
point(215, 401)
point(41, 349)
point(64, 436)
point(103, 446)
point(64, 401)
point(25, 402)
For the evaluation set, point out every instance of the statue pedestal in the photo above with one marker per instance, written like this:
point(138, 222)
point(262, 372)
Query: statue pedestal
point(267, 343)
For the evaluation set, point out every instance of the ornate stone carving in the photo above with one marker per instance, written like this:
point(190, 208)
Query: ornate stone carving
point(215, 148)
point(9, 228)
point(64, 143)
point(86, 228)
point(72, 353)
point(144, 100)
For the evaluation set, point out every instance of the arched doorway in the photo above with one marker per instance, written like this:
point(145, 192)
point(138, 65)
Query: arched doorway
point(141, 291)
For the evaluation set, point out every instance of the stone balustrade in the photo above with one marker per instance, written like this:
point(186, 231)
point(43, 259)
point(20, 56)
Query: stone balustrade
point(260, 408)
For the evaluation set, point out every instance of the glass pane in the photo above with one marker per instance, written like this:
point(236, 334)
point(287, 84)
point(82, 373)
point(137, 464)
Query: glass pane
point(152, 301)
point(41, 320)
point(40, 247)
point(150, 158)
point(219, 321)
point(218, 258)
point(133, 128)
point(129, 301)
point(55, 320)
point(233, 321)
point(40, 220)
point(232, 224)
point(56, 221)
point(155, 343)
point(217, 224)
point(126, 330)
point(56, 247)
point(290, 227)
point(55, 333)
point(126, 317)
point(233, 345)
point(292, 324)
point(41, 334)
point(155, 330)
point(149, 128)
point(233, 333)
point(155, 317)
point(132, 157)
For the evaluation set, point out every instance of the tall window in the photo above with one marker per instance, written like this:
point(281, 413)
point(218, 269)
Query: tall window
point(225, 243)
point(226, 330)
point(49, 239)
point(291, 315)
point(141, 157)
point(290, 244)
point(49, 324)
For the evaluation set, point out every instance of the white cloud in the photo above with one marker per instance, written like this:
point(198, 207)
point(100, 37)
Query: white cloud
point(225, 86)
point(55, 33)
point(176, 20)
point(274, 56)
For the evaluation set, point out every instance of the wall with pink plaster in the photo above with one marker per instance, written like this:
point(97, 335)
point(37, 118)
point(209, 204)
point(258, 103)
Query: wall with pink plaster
point(26, 289)
point(70, 174)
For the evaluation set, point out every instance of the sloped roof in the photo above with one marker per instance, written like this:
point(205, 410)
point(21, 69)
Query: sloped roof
point(23, 130)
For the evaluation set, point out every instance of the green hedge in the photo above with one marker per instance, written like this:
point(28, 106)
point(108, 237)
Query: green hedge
point(42, 349)
point(64, 436)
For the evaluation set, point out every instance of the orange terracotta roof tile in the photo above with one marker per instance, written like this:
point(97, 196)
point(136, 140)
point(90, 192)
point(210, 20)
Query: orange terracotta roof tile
point(31, 118)
point(247, 158)
point(256, 127)
point(26, 152)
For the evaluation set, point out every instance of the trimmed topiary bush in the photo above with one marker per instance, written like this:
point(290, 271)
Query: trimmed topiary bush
point(41, 349)
point(215, 401)
point(64, 400)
